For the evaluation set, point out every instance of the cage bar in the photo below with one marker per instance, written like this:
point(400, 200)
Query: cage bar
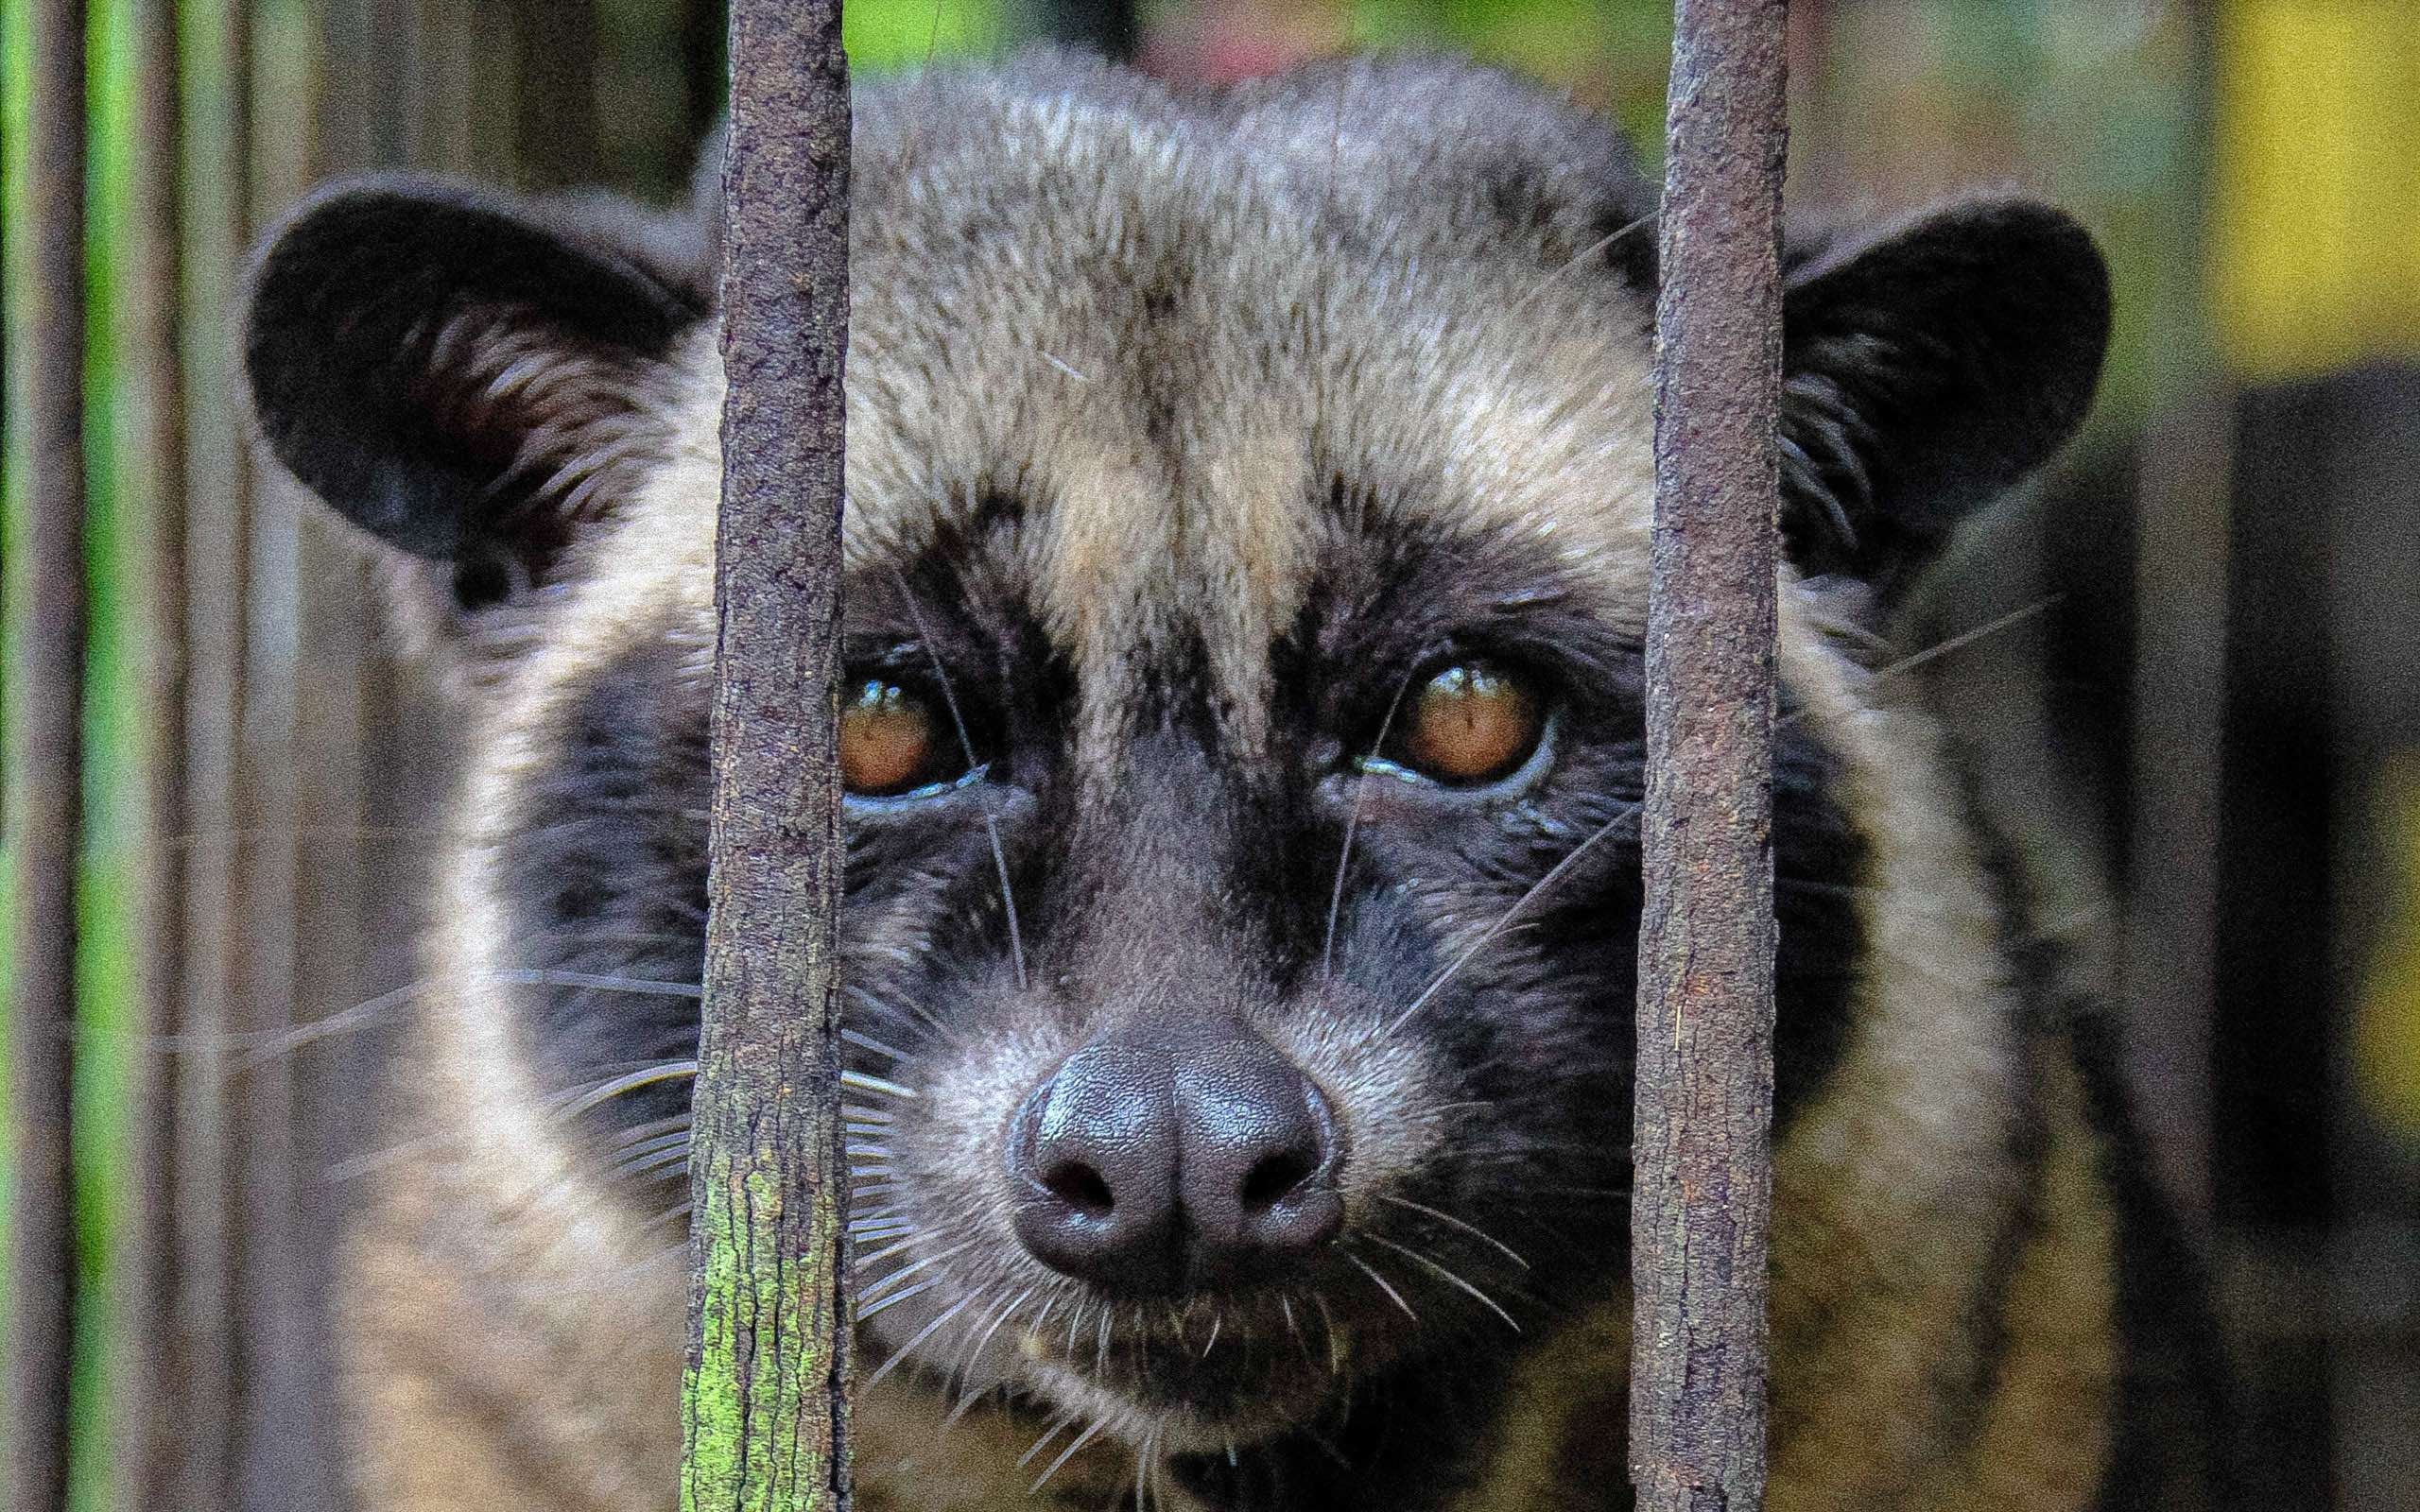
point(46, 789)
point(151, 1369)
point(1702, 1197)
point(765, 1420)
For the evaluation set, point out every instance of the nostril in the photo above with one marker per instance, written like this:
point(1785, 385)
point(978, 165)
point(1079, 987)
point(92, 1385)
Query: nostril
point(1260, 1177)
point(1146, 1168)
point(1080, 1187)
point(1091, 1163)
point(1273, 1179)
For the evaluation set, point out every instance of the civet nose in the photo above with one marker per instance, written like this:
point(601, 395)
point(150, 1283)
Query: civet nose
point(1146, 1168)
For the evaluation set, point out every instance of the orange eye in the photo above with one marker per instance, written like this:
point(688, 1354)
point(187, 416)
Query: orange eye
point(1469, 723)
point(887, 739)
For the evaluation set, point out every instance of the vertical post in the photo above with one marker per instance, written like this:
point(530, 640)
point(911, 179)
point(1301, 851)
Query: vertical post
point(291, 740)
point(219, 509)
point(765, 1420)
point(151, 1371)
point(218, 512)
point(2183, 511)
point(44, 770)
point(1702, 1197)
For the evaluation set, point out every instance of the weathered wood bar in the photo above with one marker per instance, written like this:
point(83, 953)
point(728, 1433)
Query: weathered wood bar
point(1702, 1197)
point(766, 1396)
point(45, 781)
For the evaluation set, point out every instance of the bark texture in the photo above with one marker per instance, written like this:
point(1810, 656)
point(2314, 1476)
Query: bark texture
point(1701, 1200)
point(764, 1418)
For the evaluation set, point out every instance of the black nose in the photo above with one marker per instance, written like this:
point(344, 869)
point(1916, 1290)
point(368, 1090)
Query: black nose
point(1146, 1168)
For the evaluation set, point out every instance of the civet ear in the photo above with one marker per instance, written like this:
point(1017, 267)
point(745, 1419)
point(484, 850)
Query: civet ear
point(1927, 369)
point(462, 375)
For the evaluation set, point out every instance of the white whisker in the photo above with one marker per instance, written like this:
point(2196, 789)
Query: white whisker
point(663, 1160)
point(1961, 640)
point(1335, 1340)
point(1448, 1277)
point(870, 1292)
point(1066, 1454)
point(868, 1041)
point(982, 1339)
point(581, 1100)
point(864, 1083)
point(1063, 366)
point(1472, 1230)
point(920, 1336)
point(596, 982)
point(897, 1298)
point(677, 1126)
point(899, 1010)
point(1056, 1426)
point(1504, 920)
point(1594, 248)
point(982, 796)
point(1286, 1310)
point(361, 1165)
point(885, 1252)
point(1352, 827)
point(265, 1048)
point(1380, 1281)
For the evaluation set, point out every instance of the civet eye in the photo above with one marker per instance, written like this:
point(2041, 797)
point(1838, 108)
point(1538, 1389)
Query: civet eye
point(890, 740)
point(1469, 722)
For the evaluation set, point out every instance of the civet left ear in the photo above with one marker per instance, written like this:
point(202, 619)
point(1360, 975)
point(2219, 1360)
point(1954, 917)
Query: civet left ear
point(1927, 369)
point(458, 374)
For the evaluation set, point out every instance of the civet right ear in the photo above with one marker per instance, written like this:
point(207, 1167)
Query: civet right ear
point(1927, 369)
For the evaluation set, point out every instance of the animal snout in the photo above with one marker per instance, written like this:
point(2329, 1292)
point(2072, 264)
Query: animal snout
point(1154, 1167)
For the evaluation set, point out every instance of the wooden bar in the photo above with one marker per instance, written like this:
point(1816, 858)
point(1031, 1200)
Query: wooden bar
point(2169, 987)
point(2168, 991)
point(44, 772)
point(218, 165)
point(287, 740)
point(1702, 1197)
point(152, 1384)
point(766, 1414)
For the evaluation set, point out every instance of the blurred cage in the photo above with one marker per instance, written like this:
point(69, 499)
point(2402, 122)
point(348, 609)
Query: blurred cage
point(2211, 617)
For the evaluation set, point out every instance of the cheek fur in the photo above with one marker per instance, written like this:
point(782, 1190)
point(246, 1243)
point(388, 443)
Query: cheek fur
point(1385, 1088)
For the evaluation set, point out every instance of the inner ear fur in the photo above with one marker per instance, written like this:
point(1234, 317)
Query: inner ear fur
point(463, 375)
point(1927, 367)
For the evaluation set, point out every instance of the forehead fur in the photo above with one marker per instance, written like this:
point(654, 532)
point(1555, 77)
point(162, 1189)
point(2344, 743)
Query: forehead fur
point(1164, 337)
